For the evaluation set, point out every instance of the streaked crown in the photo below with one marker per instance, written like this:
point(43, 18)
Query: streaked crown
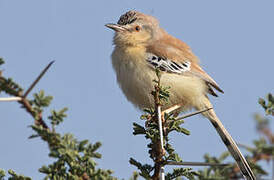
point(128, 18)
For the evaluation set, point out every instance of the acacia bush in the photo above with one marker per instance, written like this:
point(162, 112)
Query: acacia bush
point(76, 159)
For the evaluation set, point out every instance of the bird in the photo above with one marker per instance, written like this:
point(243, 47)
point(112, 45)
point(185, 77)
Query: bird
point(141, 46)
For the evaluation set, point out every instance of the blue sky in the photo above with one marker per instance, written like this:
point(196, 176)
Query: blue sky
point(233, 39)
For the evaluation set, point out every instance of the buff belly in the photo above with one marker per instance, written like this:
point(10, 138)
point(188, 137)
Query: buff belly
point(135, 78)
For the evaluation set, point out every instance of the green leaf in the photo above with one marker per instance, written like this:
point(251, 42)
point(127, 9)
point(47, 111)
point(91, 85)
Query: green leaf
point(268, 105)
point(33, 136)
point(145, 169)
point(138, 129)
point(178, 172)
point(58, 116)
point(2, 174)
point(15, 176)
point(40, 100)
point(1, 61)
point(134, 176)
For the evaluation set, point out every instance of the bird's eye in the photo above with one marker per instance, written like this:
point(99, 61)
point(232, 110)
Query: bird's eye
point(137, 28)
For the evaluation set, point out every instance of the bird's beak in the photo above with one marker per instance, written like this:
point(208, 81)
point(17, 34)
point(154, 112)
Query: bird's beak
point(115, 27)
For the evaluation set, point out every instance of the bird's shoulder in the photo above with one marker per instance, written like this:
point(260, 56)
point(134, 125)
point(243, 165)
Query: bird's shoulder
point(169, 47)
point(171, 55)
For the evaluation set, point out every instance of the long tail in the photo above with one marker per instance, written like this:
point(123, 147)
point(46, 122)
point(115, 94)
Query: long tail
point(229, 142)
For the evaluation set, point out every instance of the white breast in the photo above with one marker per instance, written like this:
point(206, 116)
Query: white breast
point(134, 76)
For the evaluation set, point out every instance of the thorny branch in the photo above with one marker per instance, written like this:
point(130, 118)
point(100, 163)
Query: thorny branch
point(37, 79)
point(194, 164)
point(74, 158)
point(163, 124)
point(158, 147)
point(193, 114)
point(25, 102)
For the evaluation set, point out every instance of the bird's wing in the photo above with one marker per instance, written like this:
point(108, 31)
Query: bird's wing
point(198, 71)
point(173, 60)
point(174, 56)
point(168, 65)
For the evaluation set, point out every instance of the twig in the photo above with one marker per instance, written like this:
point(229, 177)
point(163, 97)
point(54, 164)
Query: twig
point(162, 170)
point(173, 108)
point(5, 99)
point(158, 146)
point(37, 79)
point(37, 120)
point(192, 114)
point(160, 126)
point(194, 164)
point(26, 103)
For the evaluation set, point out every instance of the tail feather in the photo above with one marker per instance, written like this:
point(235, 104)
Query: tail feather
point(230, 144)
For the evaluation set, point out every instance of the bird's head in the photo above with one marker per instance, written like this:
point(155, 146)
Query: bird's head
point(134, 28)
